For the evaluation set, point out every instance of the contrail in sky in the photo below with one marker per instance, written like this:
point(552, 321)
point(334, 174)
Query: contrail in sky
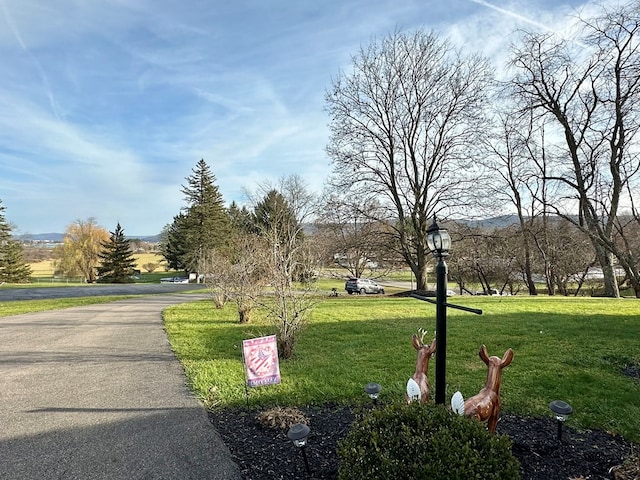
point(563, 34)
point(43, 75)
point(513, 14)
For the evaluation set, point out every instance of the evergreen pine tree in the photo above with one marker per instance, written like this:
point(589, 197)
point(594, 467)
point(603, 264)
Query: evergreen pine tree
point(13, 268)
point(241, 219)
point(5, 228)
point(117, 262)
point(12, 265)
point(174, 244)
point(274, 216)
point(206, 224)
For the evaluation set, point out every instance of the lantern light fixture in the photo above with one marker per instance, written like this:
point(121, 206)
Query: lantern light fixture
point(373, 390)
point(561, 410)
point(438, 240)
point(298, 434)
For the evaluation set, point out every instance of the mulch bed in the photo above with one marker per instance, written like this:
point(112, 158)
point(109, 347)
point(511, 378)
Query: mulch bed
point(263, 452)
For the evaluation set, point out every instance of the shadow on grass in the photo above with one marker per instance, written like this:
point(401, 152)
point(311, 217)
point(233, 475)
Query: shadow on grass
point(566, 355)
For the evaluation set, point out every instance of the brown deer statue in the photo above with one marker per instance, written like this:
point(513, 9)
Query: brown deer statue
point(485, 406)
point(418, 384)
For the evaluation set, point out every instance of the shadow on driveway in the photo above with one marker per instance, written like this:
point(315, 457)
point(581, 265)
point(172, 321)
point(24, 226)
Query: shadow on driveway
point(119, 448)
point(95, 392)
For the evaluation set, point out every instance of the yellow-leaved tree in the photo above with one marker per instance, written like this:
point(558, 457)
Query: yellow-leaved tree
point(78, 254)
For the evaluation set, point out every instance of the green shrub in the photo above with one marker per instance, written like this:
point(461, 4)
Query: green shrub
point(418, 441)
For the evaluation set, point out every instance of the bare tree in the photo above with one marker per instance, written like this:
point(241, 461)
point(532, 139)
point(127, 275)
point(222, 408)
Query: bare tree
point(513, 155)
point(571, 255)
point(150, 267)
point(590, 88)
point(403, 126)
point(280, 217)
point(238, 273)
point(628, 236)
point(485, 255)
point(351, 238)
point(216, 267)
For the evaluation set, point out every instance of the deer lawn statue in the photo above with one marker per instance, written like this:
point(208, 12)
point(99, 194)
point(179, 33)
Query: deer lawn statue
point(485, 406)
point(418, 384)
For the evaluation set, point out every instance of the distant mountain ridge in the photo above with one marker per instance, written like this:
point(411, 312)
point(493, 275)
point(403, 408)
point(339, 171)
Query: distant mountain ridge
point(58, 237)
point(500, 221)
point(491, 222)
point(41, 237)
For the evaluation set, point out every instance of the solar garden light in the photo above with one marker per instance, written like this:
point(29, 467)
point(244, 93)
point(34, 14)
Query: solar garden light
point(562, 410)
point(298, 435)
point(373, 390)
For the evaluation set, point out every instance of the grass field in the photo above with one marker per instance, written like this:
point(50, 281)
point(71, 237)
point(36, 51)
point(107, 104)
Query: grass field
point(565, 348)
point(29, 306)
point(43, 271)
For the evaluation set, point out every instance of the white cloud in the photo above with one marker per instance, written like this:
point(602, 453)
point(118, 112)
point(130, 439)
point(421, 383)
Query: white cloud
point(106, 105)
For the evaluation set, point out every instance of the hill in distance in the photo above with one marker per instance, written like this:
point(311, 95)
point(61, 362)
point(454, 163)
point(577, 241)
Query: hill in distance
point(493, 222)
point(58, 237)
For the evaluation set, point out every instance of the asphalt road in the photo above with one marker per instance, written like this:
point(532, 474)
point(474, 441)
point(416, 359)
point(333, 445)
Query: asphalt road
point(95, 392)
point(35, 293)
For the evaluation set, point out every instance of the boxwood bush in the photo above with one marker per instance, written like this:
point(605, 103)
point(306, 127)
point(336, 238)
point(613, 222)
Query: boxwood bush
point(417, 441)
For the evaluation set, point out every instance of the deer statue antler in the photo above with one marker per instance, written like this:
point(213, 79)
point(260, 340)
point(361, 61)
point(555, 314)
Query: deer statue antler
point(422, 332)
point(418, 384)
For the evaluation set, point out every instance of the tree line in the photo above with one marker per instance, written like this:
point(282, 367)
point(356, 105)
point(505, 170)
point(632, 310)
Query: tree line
point(88, 251)
point(420, 128)
point(257, 258)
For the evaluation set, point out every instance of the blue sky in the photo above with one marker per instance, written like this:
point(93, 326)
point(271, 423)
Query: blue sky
point(107, 105)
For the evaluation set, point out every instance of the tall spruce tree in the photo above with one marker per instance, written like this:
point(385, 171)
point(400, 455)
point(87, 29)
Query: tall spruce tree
point(173, 244)
point(204, 224)
point(275, 214)
point(12, 265)
point(117, 264)
point(5, 228)
point(13, 268)
point(241, 219)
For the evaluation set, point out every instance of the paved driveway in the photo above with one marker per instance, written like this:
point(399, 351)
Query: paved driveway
point(35, 293)
point(95, 392)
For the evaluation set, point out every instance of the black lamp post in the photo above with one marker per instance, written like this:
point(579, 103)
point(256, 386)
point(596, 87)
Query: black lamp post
point(439, 243)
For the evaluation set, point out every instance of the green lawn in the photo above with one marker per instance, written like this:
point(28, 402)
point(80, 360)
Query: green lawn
point(28, 306)
point(565, 348)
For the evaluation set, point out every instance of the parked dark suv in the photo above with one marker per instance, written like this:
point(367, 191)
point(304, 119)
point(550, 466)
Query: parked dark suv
point(362, 286)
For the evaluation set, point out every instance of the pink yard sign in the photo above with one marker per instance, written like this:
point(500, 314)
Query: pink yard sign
point(261, 361)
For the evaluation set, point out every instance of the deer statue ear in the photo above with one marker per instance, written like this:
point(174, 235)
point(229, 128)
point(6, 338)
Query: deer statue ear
point(416, 342)
point(432, 347)
point(484, 355)
point(507, 358)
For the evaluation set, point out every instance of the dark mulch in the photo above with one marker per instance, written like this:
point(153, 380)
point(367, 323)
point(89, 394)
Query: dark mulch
point(264, 452)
